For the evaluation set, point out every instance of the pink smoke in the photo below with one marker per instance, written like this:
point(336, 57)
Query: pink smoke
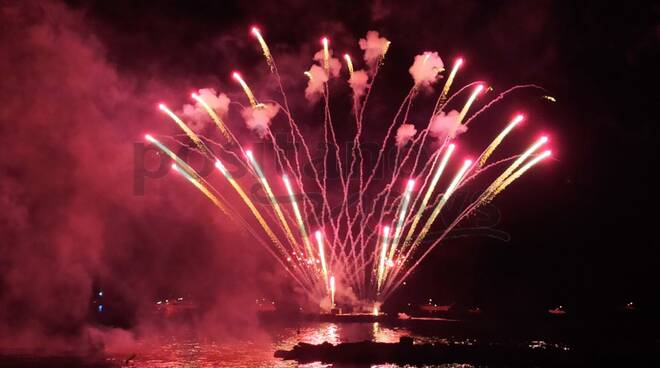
point(425, 68)
point(196, 116)
point(447, 125)
point(374, 48)
point(319, 76)
point(258, 118)
point(359, 82)
point(404, 134)
point(73, 215)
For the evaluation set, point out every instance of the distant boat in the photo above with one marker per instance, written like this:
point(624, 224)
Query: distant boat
point(557, 311)
point(475, 310)
point(175, 307)
point(436, 308)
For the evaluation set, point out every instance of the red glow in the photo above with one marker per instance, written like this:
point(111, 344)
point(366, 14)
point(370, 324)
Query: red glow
point(235, 75)
point(324, 40)
point(459, 62)
point(411, 184)
point(479, 89)
point(162, 106)
point(255, 31)
point(194, 95)
point(148, 137)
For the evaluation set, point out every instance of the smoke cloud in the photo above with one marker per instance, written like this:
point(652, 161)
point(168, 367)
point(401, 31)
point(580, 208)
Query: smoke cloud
point(374, 48)
point(425, 68)
point(446, 125)
point(359, 82)
point(404, 134)
point(258, 118)
point(318, 76)
point(196, 117)
point(71, 221)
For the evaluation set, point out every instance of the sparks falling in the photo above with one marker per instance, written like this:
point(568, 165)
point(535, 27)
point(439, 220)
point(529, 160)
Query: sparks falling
point(326, 55)
point(470, 101)
point(264, 47)
point(246, 90)
point(332, 291)
point(450, 80)
point(349, 64)
point(374, 221)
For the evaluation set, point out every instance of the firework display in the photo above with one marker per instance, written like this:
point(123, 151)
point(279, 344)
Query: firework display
point(373, 224)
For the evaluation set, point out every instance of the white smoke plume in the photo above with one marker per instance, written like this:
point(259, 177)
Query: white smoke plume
point(425, 68)
point(404, 134)
point(319, 76)
point(359, 82)
point(196, 117)
point(447, 125)
point(374, 48)
point(259, 118)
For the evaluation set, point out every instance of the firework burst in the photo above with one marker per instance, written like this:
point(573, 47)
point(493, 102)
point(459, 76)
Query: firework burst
point(362, 249)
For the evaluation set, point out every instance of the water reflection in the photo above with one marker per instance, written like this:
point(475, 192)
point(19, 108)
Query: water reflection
point(238, 354)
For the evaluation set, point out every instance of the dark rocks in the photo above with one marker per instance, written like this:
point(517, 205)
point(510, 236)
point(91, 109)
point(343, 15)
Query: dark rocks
point(405, 352)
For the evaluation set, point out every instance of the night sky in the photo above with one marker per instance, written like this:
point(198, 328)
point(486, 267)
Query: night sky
point(82, 78)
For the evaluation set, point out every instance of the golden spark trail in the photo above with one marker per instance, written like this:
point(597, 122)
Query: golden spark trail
point(185, 128)
point(469, 102)
point(349, 64)
point(401, 217)
point(248, 202)
point(443, 200)
point(180, 163)
point(450, 80)
point(324, 267)
point(326, 56)
point(299, 219)
point(427, 195)
point(246, 89)
point(496, 142)
point(387, 47)
point(216, 119)
point(519, 172)
point(332, 291)
point(271, 197)
point(203, 189)
point(383, 256)
point(535, 146)
point(264, 48)
point(490, 192)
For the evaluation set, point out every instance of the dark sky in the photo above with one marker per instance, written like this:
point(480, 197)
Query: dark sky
point(581, 227)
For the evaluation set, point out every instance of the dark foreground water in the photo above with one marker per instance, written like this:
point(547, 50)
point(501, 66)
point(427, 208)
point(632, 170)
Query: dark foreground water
point(584, 345)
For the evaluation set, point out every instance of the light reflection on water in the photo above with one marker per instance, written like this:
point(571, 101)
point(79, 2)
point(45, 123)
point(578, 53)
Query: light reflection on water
point(244, 354)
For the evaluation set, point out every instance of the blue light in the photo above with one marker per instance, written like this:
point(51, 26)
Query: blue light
point(100, 308)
